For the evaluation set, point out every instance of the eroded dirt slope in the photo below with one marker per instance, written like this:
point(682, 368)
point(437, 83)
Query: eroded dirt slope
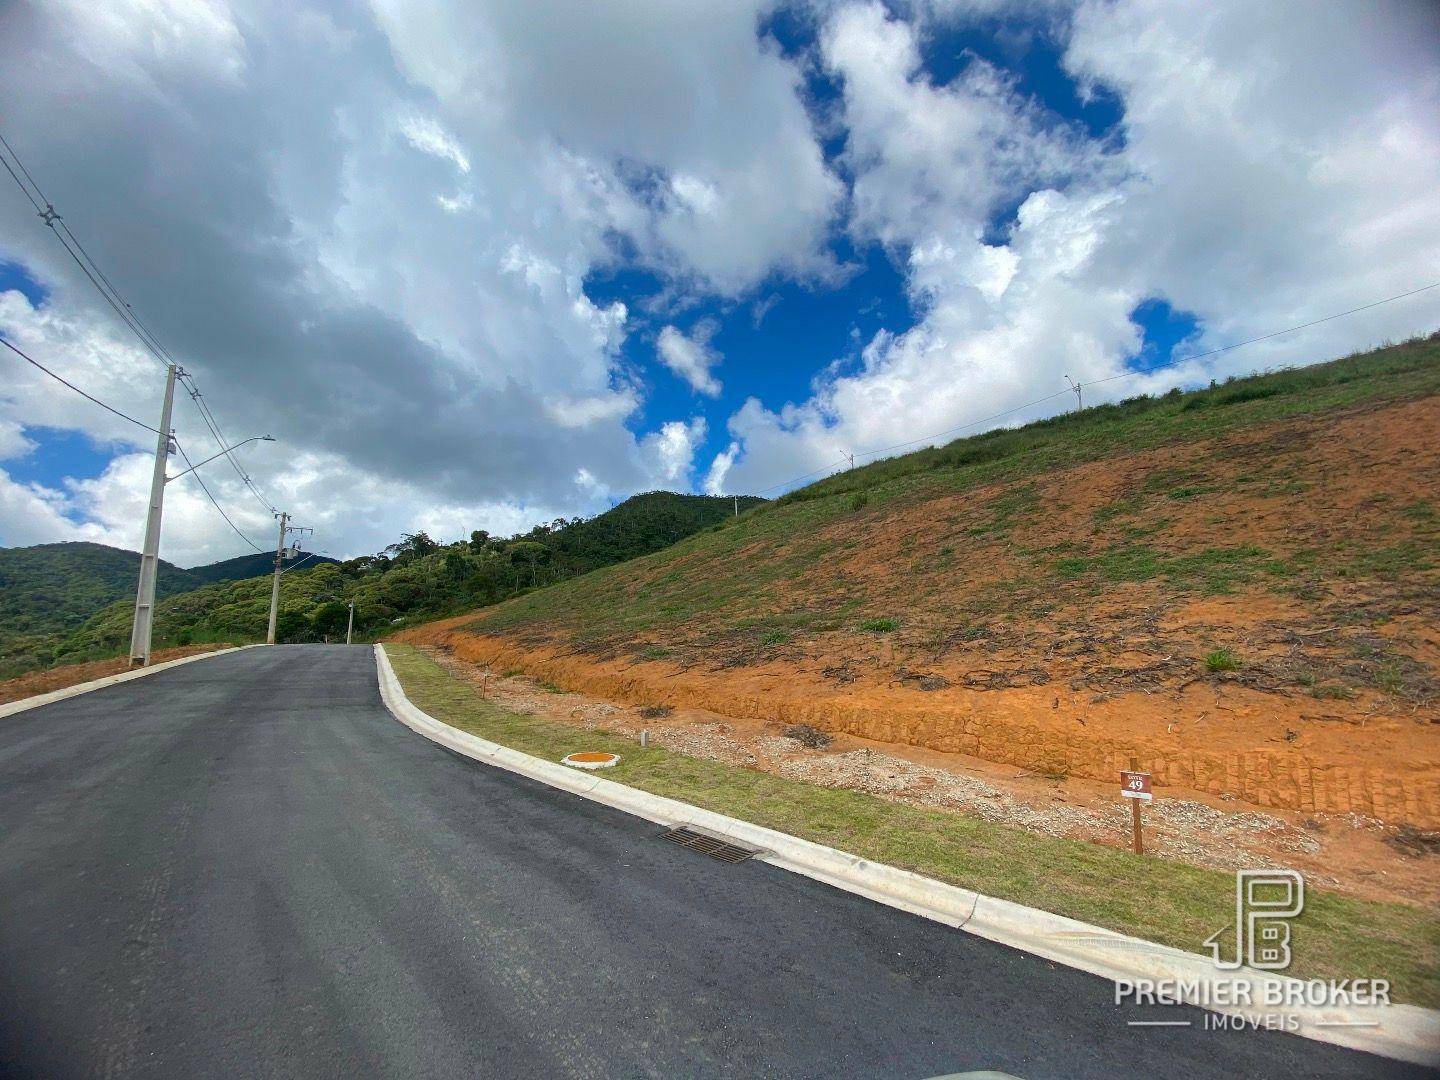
point(1254, 615)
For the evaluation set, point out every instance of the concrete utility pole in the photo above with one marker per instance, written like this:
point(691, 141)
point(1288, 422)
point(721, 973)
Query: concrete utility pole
point(350, 626)
point(1079, 402)
point(275, 584)
point(150, 551)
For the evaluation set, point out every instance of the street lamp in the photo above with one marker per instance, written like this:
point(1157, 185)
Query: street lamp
point(228, 449)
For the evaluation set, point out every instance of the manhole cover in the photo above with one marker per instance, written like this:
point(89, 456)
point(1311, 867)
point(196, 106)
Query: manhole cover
point(591, 759)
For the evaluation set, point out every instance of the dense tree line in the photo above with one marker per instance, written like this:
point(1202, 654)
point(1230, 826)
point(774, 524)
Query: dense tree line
point(414, 579)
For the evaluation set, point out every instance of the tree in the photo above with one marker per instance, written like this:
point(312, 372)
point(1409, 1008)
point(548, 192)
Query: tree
point(478, 539)
point(528, 551)
point(330, 618)
point(456, 564)
point(413, 546)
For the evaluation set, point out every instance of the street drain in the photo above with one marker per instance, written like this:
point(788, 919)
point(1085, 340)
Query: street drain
point(709, 845)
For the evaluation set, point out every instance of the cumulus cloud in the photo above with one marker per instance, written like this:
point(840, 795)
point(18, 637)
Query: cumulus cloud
point(367, 229)
point(670, 452)
point(720, 469)
point(1230, 193)
point(691, 357)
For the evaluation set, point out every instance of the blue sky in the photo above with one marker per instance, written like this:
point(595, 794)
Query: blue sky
point(776, 340)
point(436, 254)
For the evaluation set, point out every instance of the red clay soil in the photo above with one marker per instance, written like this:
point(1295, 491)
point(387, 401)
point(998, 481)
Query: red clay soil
point(58, 678)
point(1341, 852)
point(1334, 709)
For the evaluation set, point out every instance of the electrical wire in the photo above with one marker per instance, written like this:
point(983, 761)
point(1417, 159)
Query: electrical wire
point(208, 417)
point(293, 565)
point(117, 302)
point(72, 386)
point(200, 480)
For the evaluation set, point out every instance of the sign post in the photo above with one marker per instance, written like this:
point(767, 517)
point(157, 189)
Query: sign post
point(1135, 786)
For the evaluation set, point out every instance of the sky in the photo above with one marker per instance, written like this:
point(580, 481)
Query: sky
point(483, 264)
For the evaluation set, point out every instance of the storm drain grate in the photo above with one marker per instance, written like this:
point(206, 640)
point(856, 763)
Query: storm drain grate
point(708, 845)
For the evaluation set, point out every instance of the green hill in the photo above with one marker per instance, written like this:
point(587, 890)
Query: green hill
point(411, 580)
point(1238, 585)
point(49, 590)
point(242, 566)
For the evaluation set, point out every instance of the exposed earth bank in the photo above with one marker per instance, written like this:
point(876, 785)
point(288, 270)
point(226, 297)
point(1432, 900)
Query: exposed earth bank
point(1346, 853)
point(1242, 598)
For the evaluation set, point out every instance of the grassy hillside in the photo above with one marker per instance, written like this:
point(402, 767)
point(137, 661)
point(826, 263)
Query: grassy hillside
point(413, 579)
point(1227, 582)
point(48, 590)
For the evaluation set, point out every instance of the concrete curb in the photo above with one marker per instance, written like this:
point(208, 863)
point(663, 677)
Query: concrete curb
point(1405, 1032)
point(25, 704)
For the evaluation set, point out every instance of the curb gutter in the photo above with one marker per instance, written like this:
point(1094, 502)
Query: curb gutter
point(1405, 1032)
point(25, 704)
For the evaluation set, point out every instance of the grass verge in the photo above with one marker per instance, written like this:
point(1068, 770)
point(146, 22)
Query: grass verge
point(1162, 901)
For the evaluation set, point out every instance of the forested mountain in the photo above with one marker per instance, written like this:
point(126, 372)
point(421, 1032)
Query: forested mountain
point(242, 566)
point(50, 589)
point(414, 578)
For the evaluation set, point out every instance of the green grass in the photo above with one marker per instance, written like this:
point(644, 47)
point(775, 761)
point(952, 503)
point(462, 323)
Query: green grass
point(1210, 571)
point(1222, 660)
point(879, 626)
point(1162, 901)
point(749, 567)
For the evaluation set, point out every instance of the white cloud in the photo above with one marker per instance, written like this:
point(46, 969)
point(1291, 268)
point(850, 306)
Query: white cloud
point(687, 136)
point(428, 135)
point(368, 229)
point(720, 468)
point(670, 452)
point(692, 357)
point(1276, 167)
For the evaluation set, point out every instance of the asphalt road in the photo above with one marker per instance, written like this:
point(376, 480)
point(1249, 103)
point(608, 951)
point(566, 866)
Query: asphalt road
point(245, 867)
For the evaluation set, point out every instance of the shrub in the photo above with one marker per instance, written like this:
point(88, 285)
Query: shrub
point(879, 626)
point(1222, 660)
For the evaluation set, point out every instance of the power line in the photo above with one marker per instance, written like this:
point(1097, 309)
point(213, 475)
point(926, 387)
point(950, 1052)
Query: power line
point(112, 296)
point(213, 424)
point(924, 439)
point(72, 386)
point(199, 480)
point(138, 423)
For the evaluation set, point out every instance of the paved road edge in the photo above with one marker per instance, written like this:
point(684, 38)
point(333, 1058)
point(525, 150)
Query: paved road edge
point(1404, 1032)
point(25, 704)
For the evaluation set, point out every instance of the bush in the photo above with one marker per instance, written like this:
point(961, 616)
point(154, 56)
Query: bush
point(1222, 660)
point(879, 626)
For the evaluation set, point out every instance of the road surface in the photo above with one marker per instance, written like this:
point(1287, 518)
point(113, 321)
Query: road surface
point(245, 867)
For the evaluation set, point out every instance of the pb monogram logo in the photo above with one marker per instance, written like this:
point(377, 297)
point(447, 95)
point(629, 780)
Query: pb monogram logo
point(1265, 901)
